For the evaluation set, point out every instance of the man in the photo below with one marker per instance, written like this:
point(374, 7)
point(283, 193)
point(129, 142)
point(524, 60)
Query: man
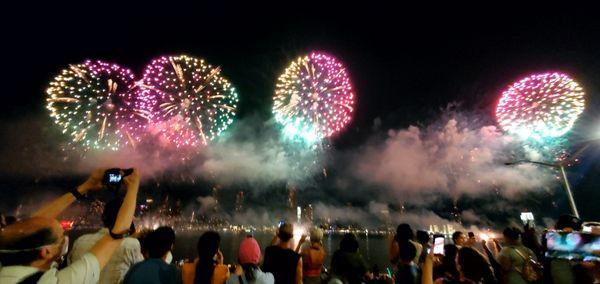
point(281, 259)
point(128, 254)
point(513, 256)
point(30, 248)
point(157, 269)
point(459, 239)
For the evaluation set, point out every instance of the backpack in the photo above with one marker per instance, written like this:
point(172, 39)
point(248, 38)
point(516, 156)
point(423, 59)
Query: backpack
point(532, 270)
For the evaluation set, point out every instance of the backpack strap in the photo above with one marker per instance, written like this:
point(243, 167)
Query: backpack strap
point(32, 279)
point(520, 254)
point(525, 260)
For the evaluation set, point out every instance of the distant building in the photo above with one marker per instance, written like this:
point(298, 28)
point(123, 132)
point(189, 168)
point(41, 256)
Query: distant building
point(215, 195)
point(239, 201)
point(308, 213)
point(456, 214)
point(291, 199)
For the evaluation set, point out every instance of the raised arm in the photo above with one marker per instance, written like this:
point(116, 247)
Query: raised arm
point(54, 208)
point(302, 240)
point(299, 271)
point(427, 270)
point(104, 248)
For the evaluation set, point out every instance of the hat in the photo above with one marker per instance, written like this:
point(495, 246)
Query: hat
point(249, 251)
point(316, 235)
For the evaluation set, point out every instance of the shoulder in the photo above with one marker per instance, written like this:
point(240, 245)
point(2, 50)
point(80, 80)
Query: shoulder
point(220, 274)
point(138, 265)
point(265, 277)
point(84, 270)
point(416, 244)
point(188, 272)
point(130, 245)
point(188, 267)
point(130, 242)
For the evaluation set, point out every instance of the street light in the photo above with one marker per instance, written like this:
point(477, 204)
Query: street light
point(564, 175)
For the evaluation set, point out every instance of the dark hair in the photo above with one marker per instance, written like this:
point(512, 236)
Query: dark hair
point(473, 265)
point(448, 265)
point(249, 271)
point(349, 243)
point(456, 235)
point(208, 245)
point(512, 233)
point(143, 239)
point(407, 251)
point(110, 212)
point(423, 237)
point(283, 234)
point(565, 221)
point(530, 239)
point(404, 233)
point(24, 247)
point(159, 242)
point(10, 220)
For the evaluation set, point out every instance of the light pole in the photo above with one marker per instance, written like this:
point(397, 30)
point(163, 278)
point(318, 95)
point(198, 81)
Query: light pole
point(564, 176)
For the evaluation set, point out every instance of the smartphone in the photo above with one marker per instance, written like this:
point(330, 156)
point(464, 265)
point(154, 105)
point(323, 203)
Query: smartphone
point(114, 178)
point(578, 246)
point(438, 245)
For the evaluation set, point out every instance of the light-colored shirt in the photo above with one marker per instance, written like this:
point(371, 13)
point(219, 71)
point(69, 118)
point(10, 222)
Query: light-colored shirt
point(261, 278)
point(128, 254)
point(517, 262)
point(85, 270)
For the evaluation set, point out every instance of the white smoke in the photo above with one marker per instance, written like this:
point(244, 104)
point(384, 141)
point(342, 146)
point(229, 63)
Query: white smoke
point(451, 160)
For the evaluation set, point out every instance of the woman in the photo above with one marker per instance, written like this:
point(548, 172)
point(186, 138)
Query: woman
point(313, 257)
point(471, 266)
point(404, 233)
point(208, 267)
point(248, 270)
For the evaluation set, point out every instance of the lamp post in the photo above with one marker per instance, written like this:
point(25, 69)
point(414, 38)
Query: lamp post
point(564, 176)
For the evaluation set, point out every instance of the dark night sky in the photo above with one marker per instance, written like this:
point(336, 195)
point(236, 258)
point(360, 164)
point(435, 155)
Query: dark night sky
point(405, 62)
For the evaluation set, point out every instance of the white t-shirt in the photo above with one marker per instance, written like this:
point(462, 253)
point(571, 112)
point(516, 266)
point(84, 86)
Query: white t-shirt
point(128, 254)
point(84, 270)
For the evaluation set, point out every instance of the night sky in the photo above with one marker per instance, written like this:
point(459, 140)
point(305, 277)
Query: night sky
point(406, 63)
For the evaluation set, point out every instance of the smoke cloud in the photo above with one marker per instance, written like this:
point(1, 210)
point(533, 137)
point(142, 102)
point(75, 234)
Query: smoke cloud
point(452, 159)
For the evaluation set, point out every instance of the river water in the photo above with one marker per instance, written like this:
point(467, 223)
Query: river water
point(374, 248)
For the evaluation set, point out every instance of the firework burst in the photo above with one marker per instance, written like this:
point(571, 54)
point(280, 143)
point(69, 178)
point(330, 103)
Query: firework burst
point(187, 101)
point(314, 97)
point(94, 105)
point(541, 106)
